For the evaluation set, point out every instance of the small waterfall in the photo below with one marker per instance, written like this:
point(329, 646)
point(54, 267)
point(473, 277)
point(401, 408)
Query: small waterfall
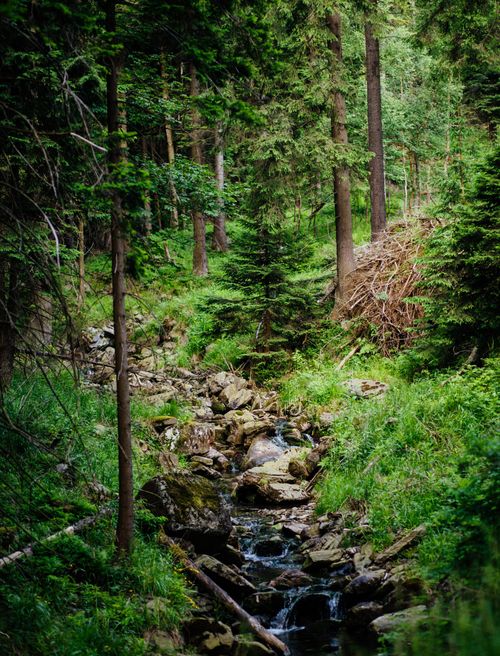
point(279, 438)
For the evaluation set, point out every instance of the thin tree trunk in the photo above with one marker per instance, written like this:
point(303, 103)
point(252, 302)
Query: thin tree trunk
point(81, 263)
point(341, 183)
point(8, 303)
point(116, 156)
point(219, 241)
point(200, 262)
point(148, 227)
point(169, 136)
point(375, 136)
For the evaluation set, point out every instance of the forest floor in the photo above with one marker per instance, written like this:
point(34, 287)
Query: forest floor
point(367, 456)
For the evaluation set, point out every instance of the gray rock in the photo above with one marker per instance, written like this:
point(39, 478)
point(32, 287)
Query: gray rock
point(392, 621)
point(364, 388)
point(210, 636)
point(363, 613)
point(403, 543)
point(291, 578)
point(235, 397)
point(365, 585)
point(261, 450)
point(192, 507)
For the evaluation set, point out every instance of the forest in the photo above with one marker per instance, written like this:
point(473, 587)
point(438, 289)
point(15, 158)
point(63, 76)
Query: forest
point(249, 355)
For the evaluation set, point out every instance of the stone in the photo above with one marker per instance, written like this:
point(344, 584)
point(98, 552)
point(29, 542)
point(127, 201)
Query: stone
point(363, 613)
point(392, 621)
point(364, 388)
point(164, 642)
point(269, 547)
point(285, 494)
point(261, 450)
point(235, 397)
point(207, 472)
point(196, 437)
point(403, 543)
point(326, 419)
point(219, 460)
point(227, 576)
point(202, 460)
point(291, 578)
point(294, 528)
point(399, 590)
point(324, 558)
point(192, 507)
point(268, 602)
point(364, 586)
point(223, 379)
point(298, 469)
point(209, 636)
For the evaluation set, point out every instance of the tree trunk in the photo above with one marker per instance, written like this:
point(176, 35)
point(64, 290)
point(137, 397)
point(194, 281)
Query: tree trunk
point(375, 138)
point(341, 184)
point(219, 241)
point(116, 157)
point(169, 136)
point(148, 227)
point(81, 263)
point(200, 262)
point(8, 294)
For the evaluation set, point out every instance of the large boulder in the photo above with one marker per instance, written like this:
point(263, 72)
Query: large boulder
point(192, 507)
point(261, 450)
point(392, 621)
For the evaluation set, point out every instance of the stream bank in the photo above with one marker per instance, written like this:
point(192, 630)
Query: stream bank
point(236, 486)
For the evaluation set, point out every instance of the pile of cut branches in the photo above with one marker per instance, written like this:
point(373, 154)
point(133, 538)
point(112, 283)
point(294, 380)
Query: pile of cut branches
point(383, 284)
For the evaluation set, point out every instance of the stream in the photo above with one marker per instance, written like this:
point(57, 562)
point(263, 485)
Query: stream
point(306, 616)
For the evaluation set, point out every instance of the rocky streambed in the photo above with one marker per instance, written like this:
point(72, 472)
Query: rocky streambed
point(242, 507)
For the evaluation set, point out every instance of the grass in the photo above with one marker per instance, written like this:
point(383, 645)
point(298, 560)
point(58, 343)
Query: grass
point(425, 453)
point(72, 597)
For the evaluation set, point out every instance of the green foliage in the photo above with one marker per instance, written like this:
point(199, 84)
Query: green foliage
point(73, 598)
point(461, 273)
point(426, 453)
point(457, 625)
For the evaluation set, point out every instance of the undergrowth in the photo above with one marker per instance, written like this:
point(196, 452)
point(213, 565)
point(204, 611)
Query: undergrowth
point(73, 597)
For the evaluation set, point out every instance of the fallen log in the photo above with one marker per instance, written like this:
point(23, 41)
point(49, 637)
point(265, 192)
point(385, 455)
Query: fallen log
point(266, 636)
point(27, 552)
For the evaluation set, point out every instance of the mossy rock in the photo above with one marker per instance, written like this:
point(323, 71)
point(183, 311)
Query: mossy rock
point(192, 507)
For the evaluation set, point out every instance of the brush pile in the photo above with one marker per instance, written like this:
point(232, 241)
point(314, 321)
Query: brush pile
point(381, 288)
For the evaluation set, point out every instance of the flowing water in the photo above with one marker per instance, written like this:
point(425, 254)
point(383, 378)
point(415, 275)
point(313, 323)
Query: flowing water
point(308, 618)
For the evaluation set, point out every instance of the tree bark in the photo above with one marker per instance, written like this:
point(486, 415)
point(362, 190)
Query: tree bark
point(341, 183)
point(148, 227)
point(219, 241)
point(169, 137)
point(375, 134)
point(8, 294)
point(81, 263)
point(116, 157)
point(200, 262)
